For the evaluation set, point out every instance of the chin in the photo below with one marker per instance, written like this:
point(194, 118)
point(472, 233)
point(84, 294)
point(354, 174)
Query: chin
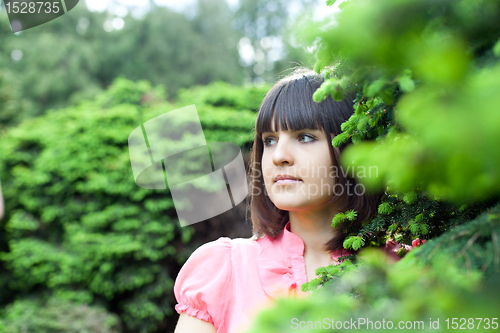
point(292, 205)
point(300, 204)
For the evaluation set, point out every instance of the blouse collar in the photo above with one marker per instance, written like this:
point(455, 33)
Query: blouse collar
point(281, 263)
point(291, 242)
point(294, 244)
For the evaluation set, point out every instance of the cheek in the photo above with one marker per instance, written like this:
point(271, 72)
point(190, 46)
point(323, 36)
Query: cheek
point(267, 168)
point(321, 167)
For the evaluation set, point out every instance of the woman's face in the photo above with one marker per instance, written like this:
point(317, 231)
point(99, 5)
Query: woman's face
point(297, 169)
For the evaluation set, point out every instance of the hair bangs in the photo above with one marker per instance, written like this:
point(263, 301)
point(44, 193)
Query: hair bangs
point(291, 107)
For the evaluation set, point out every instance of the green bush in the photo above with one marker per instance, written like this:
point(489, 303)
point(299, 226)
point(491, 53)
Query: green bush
point(78, 228)
point(220, 93)
point(57, 315)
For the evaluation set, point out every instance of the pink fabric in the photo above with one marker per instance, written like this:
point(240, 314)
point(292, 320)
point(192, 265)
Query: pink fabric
point(226, 281)
point(391, 248)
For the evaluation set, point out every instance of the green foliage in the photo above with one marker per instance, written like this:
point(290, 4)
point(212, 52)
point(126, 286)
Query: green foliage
point(412, 119)
point(351, 215)
point(414, 227)
point(354, 242)
point(475, 245)
point(455, 165)
point(331, 87)
point(340, 139)
point(424, 219)
point(376, 290)
point(424, 69)
point(326, 274)
point(70, 59)
point(13, 107)
point(57, 315)
point(406, 83)
point(340, 218)
point(221, 94)
point(78, 227)
point(410, 198)
point(385, 208)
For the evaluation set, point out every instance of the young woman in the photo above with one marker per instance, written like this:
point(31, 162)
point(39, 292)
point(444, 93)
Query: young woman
point(297, 188)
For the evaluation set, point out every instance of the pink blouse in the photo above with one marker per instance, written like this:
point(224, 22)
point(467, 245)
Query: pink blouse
point(225, 282)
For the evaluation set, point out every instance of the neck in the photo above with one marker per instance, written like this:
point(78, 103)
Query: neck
point(315, 229)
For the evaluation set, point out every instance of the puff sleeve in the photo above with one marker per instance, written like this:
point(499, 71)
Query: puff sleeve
point(201, 288)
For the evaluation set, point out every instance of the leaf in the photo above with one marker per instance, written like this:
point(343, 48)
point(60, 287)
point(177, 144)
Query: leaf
point(321, 270)
point(349, 124)
point(375, 87)
point(410, 198)
point(388, 96)
point(362, 123)
point(385, 208)
point(462, 208)
point(360, 109)
point(424, 230)
point(351, 215)
point(358, 243)
point(312, 285)
point(392, 228)
point(348, 242)
point(356, 138)
point(406, 83)
point(374, 120)
point(330, 86)
point(340, 139)
point(319, 96)
point(338, 94)
point(414, 228)
point(338, 220)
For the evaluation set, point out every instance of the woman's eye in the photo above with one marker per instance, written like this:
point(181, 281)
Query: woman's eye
point(306, 138)
point(268, 141)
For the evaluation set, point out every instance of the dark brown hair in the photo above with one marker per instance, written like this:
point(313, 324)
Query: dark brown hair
point(290, 104)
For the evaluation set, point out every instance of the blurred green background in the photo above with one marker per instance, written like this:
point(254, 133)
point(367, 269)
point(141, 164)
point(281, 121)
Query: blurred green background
point(83, 249)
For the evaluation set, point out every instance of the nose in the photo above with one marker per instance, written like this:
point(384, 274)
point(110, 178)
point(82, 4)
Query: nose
point(283, 153)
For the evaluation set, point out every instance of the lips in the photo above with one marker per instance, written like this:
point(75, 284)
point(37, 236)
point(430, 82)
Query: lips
point(286, 179)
